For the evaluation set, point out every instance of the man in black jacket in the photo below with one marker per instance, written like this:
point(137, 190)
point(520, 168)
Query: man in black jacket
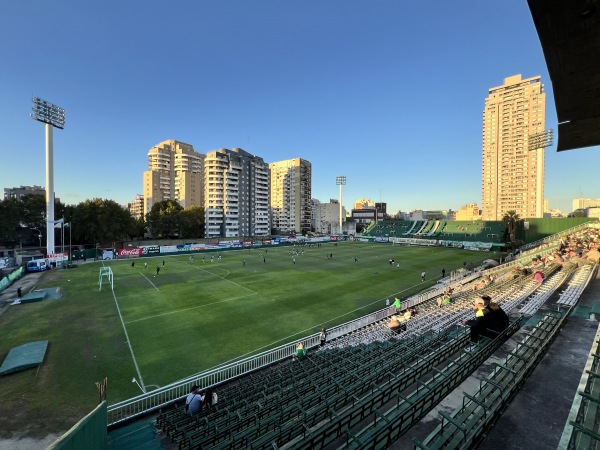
point(489, 320)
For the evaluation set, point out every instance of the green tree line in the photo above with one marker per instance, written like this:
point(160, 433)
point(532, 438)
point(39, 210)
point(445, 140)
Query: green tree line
point(23, 221)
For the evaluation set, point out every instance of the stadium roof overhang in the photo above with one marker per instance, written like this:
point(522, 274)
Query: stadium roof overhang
point(569, 32)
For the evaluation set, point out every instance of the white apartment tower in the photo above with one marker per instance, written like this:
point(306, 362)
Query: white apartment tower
point(512, 173)
point(326, 216)
point(175, 172)
point(291, 195)
point(236, 187)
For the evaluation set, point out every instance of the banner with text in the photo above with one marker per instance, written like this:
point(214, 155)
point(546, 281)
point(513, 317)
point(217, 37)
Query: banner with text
point(129, 252)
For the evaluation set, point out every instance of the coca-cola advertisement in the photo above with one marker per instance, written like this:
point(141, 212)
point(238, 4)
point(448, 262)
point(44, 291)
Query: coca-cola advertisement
point(129, 252)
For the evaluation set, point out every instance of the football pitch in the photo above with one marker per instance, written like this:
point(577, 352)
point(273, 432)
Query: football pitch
point(198, 314)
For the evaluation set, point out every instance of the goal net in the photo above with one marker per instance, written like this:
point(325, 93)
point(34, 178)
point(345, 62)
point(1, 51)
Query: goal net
point(105, 272)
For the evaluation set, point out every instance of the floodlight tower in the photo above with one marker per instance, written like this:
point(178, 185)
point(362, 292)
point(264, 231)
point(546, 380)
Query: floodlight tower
point(52, 116)
point(340, 181)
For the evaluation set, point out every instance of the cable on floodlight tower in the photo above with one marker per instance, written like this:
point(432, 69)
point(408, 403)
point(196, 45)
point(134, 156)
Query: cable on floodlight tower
point(53, 117)
point(340, 181)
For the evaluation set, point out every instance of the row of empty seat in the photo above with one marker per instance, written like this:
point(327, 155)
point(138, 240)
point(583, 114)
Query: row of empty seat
point(465, 426)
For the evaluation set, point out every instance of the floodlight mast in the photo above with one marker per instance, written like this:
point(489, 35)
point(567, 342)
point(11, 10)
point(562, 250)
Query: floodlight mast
point(53, 117)
point(340, 181)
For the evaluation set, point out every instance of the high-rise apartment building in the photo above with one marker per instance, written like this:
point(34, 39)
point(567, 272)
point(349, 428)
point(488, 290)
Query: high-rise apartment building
point(236, 187)
point(175, 172)
point(513, 174)
point(291, 195)
point(470, 211)
point(136, 206)
point(583, 203)
point(364, 203)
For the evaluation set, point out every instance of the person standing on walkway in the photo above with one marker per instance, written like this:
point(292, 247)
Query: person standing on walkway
point(323, 336)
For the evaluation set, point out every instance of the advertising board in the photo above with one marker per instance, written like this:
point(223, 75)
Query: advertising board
point(129, 252)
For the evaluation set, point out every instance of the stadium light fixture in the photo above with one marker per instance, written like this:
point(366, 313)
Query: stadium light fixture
point(539, 140)
point(340, 181)
point(53, 117)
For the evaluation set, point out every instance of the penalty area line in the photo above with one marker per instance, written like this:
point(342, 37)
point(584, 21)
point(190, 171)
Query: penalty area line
point(149, 281)
point(137, 368)
point(219, 276)
point(188, 309)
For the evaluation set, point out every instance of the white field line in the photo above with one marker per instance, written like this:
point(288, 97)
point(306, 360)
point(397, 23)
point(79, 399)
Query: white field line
point(190, 308)
point(222, 278)
point(149, 281)
point(137, 368)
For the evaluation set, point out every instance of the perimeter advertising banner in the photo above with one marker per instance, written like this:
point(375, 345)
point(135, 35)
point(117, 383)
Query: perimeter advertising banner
point(129, 252)
point(478, 246)
point(414, 241)
point(150, 249)
point(333, 238)
point(58, 257)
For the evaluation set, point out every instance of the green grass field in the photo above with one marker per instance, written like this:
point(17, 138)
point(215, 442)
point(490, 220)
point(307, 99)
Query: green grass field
point(191, 317)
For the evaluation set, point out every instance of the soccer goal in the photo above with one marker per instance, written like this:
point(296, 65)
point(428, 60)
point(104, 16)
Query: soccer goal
point(106, 272)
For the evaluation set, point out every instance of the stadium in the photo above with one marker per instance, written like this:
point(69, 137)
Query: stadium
point(115, 345)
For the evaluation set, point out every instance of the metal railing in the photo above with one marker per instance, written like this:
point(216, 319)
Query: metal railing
point(158, 398)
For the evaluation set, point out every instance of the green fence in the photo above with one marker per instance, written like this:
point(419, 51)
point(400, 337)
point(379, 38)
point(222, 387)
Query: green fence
point(89, 433)
point(541, 228)
point(14, 275)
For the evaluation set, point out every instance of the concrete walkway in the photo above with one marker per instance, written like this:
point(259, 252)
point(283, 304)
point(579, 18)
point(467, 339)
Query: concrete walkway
point(27, 283)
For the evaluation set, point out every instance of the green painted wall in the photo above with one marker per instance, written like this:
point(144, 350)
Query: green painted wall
point(541, 228)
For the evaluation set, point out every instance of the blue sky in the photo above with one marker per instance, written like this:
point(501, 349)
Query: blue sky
point(388, 93)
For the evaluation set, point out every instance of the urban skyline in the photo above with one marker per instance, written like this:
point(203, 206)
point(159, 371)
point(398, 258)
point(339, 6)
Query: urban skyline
point(392, 100)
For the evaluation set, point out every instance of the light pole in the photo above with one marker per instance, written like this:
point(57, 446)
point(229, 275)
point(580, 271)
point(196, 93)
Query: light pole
point(52, 116)
point(39, 236)
point(340, 181)
point(70, 247)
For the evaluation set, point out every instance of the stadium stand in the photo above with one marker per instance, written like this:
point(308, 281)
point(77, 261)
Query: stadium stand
point(465, 426)
point(367, 388)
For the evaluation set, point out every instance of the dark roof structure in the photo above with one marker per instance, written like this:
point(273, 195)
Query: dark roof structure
point(569, 32)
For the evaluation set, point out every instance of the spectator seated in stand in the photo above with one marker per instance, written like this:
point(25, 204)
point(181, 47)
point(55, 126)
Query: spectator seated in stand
point(538, 276)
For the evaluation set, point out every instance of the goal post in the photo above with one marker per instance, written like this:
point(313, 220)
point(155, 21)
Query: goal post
point(106, 272)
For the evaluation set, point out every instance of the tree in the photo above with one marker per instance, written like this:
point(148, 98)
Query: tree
point(99, 221)
point(511, 218)
point(33, 211)
point(192, 222)
point(163, 220)
point(9, 222)
point(138, 228)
